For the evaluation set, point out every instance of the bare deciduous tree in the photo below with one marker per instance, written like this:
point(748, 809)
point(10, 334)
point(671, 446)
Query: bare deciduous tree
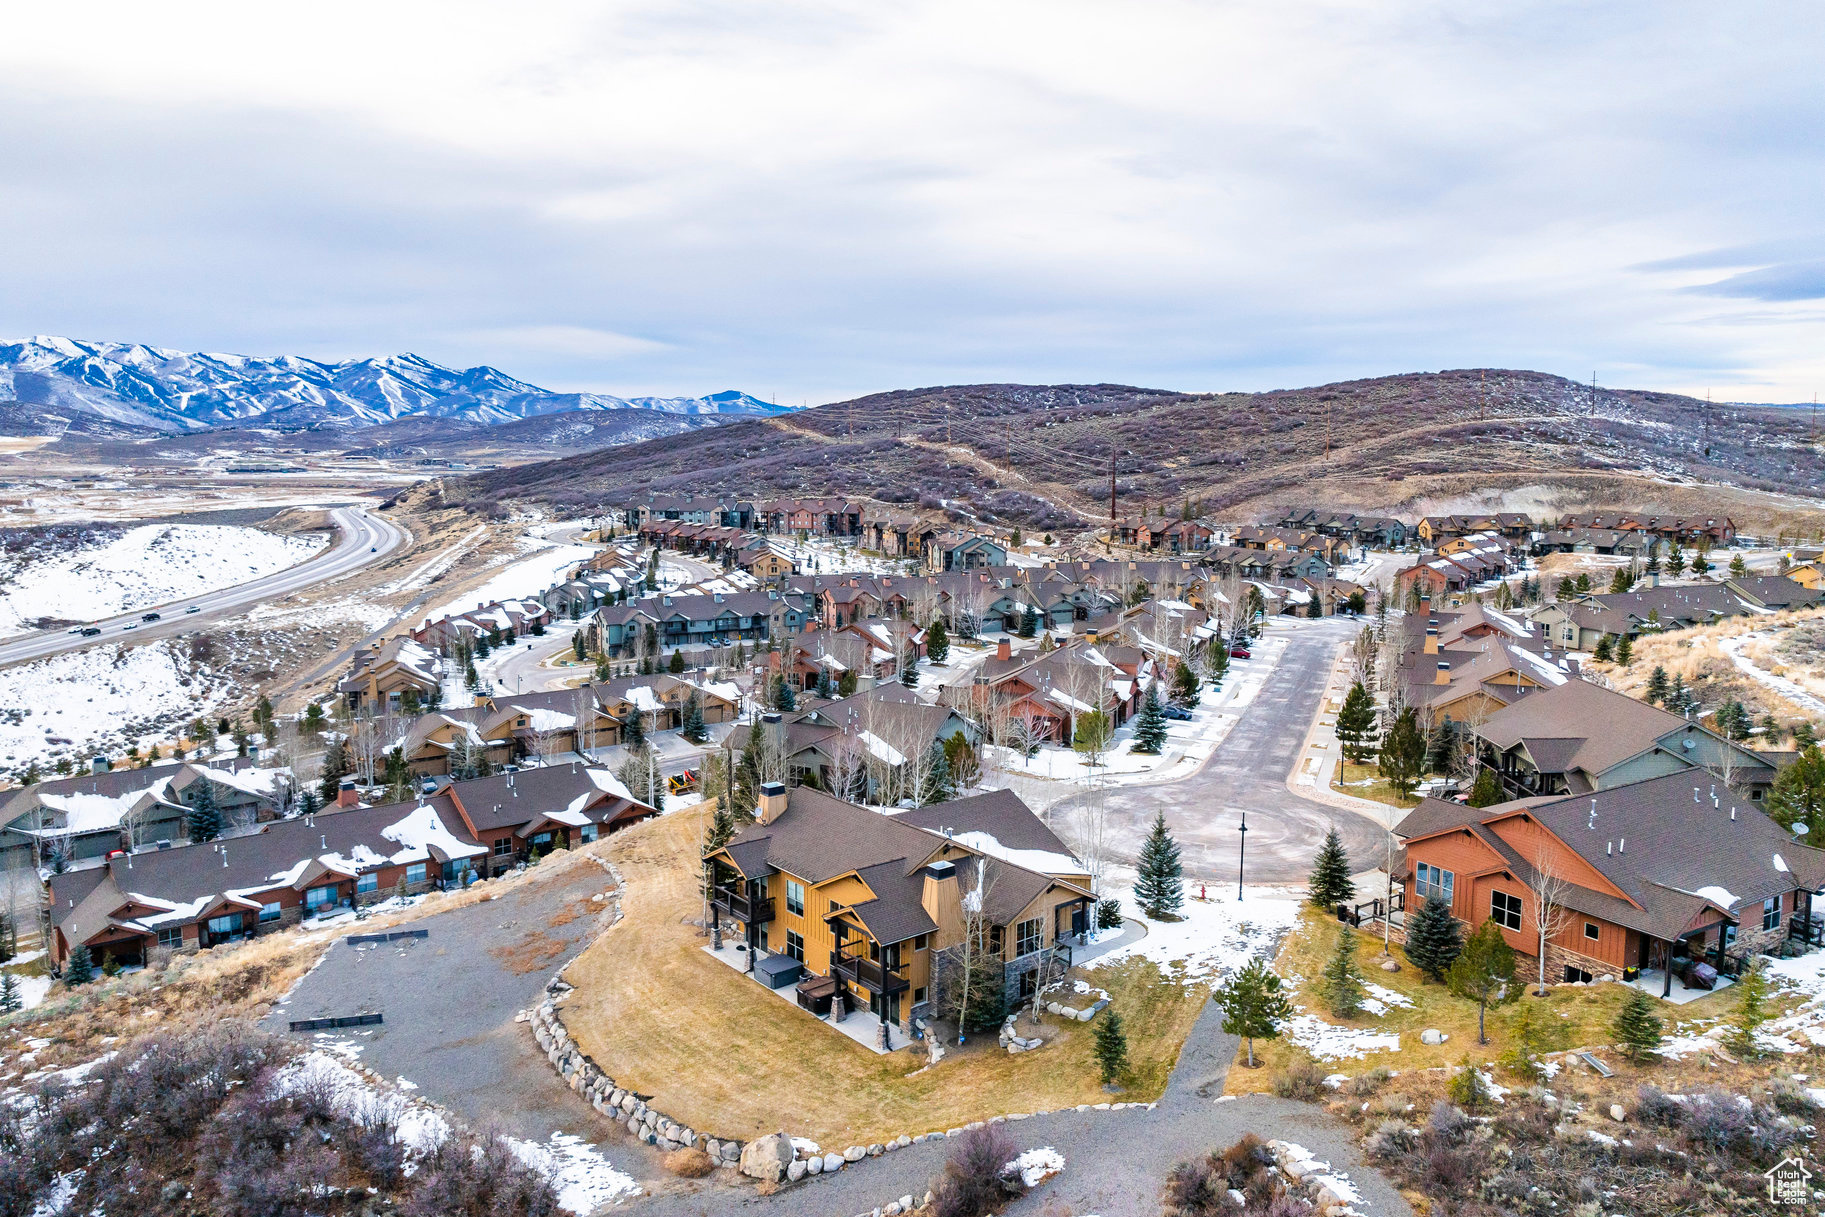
point(1547, 890)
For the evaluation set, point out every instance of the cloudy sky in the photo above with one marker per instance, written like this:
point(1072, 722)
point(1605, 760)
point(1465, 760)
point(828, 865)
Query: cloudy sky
point(811, 201)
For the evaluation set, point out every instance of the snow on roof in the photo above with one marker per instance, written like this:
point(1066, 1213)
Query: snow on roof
point(569, 815)
point(420, 831)
point(172, 910)
point(1780, 864)
point(542, 719)
point(1045, 861)
point(880, 749)
point(417, 659)
point(1068, 702)
point(605, 781)
point(728, 690)
point(1721, 896)
point(1549, 671)
point(263, 782)
point(93, 812)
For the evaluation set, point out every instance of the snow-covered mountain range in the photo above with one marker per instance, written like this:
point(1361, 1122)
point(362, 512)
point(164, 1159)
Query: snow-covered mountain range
point(133, 386)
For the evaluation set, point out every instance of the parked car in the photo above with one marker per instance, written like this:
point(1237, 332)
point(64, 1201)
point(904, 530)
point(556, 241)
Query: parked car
point(191, 609)
point(1177, 713)
point(1240, 653)
point(131, 625)
point(149, 617)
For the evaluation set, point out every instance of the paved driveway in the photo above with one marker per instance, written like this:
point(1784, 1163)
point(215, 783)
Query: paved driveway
point(1248, 772)
point(1115, 1162)
point(450, 1001)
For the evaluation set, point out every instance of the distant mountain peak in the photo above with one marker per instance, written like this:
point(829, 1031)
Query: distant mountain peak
point(155, 388)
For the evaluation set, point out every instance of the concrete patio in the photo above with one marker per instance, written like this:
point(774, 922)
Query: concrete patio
point(1654, 982)
point(862, 1027)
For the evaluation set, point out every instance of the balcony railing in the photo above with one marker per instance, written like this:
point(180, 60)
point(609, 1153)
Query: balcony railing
point(739, 906)
point(870, 975)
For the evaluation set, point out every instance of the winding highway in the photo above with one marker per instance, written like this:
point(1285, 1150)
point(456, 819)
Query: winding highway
point(362, 538)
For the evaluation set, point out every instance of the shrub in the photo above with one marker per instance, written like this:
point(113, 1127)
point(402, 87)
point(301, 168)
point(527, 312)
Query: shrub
point(1109, 914)
point(1391, 1141)
point(689, 1163)
point(973, 1183)
point(1372, 1081)
point(1717, 1122)
point(1302, 1080)
point(1653, 1106)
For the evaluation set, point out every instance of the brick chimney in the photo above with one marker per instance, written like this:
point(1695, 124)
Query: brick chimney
point(1004, 649)
point(345, 793)
point(772, 801)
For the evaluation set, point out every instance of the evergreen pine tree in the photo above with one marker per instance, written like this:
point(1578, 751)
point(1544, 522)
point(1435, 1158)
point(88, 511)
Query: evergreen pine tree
point(1330, 884)
point(1434, 938)
point(1029, 623)
point(1150, 726)
point(308, 802)
point(825, 689)
point(1625, 651)
point(676, 664)
point(81, 968)
point(784, 697)
point(1676, 560)
point(1403, 753)
point(1605, 650)
point(1798, 796)
point(1184, 685)
point(846, 684)
point(1111, 1047)
point(1483, 973)
point(937, 641)
point(1341, 983)
point(1637, 1027)
point(204, 819)
point(1751, 1010)
point(1658, 686)
point(1738, 567)
point(1583, 582)
point(1356, 722)
point(1254, 1004)
point(747, 770)
point(1565, 591)
point(633, 730)
point(1486, 791)
point(10, 1000)
point(938, 786)
point(693, 728)
point(909, 670)
point(1159, 883)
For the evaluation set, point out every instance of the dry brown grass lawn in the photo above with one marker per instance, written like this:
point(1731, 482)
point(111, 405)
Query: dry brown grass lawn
point(1694, 656)
point(1585, 1011)
point(719, 1053)
point(1378, 790)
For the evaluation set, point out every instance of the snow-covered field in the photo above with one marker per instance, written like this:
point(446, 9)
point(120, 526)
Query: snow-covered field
point(104, 695)
point(151, 564)
point(523, 579)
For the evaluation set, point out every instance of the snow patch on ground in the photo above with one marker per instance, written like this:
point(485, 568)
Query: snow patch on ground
point(582, 1177)
point(1329, 1042)
point(81, 698)
point(1215, 938)
point(151, 564)
point(523, 580)
point(1037, 1165)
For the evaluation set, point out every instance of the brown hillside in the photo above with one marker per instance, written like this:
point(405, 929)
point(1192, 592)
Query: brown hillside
point(1041, 455)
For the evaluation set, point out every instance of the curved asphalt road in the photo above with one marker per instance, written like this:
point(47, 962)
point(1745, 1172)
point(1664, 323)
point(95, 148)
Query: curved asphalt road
point(358, 533)
point(1248, 773)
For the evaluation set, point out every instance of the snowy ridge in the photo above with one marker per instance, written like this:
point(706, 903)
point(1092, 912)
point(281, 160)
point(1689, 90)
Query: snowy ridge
point(172, 391)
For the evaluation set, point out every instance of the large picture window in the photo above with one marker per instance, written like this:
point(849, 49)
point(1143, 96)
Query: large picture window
point(1028, 937)
point(1505, 910)
point(1430, 881)
point(795, 898)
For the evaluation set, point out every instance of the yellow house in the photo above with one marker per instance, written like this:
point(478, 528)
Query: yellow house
point(875, 910)
point(1809, 574)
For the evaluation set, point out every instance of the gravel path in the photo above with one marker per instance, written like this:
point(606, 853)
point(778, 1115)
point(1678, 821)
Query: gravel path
point(450, 1002)
point(1115, 1162)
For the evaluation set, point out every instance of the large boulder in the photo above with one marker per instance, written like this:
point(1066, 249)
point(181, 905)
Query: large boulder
point(768, 1157)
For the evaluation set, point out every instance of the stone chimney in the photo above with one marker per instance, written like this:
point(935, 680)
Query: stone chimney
point(772, 801)
point(345, 793)
point(1004, 649)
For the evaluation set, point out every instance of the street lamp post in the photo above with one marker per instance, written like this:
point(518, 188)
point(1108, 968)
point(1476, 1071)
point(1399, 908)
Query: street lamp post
point(1241, 854)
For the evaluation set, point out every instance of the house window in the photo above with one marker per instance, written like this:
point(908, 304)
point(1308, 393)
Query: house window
point(369, 882)
point(270, 911)
point(1430, 881)
point(316, 898)
point(415, 873)
point(921, 942)
point(795, 945)
point(587, 833)
point(1771, 913)
point(996, 939)
point(538, 839)
point(1592, 931)
point(228, 924)
point(795, 898)
point(1505, 910)
point(503, 846)
point(1028, 937)
point(919, 996)
point(1576, 976)
point(173, 937)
